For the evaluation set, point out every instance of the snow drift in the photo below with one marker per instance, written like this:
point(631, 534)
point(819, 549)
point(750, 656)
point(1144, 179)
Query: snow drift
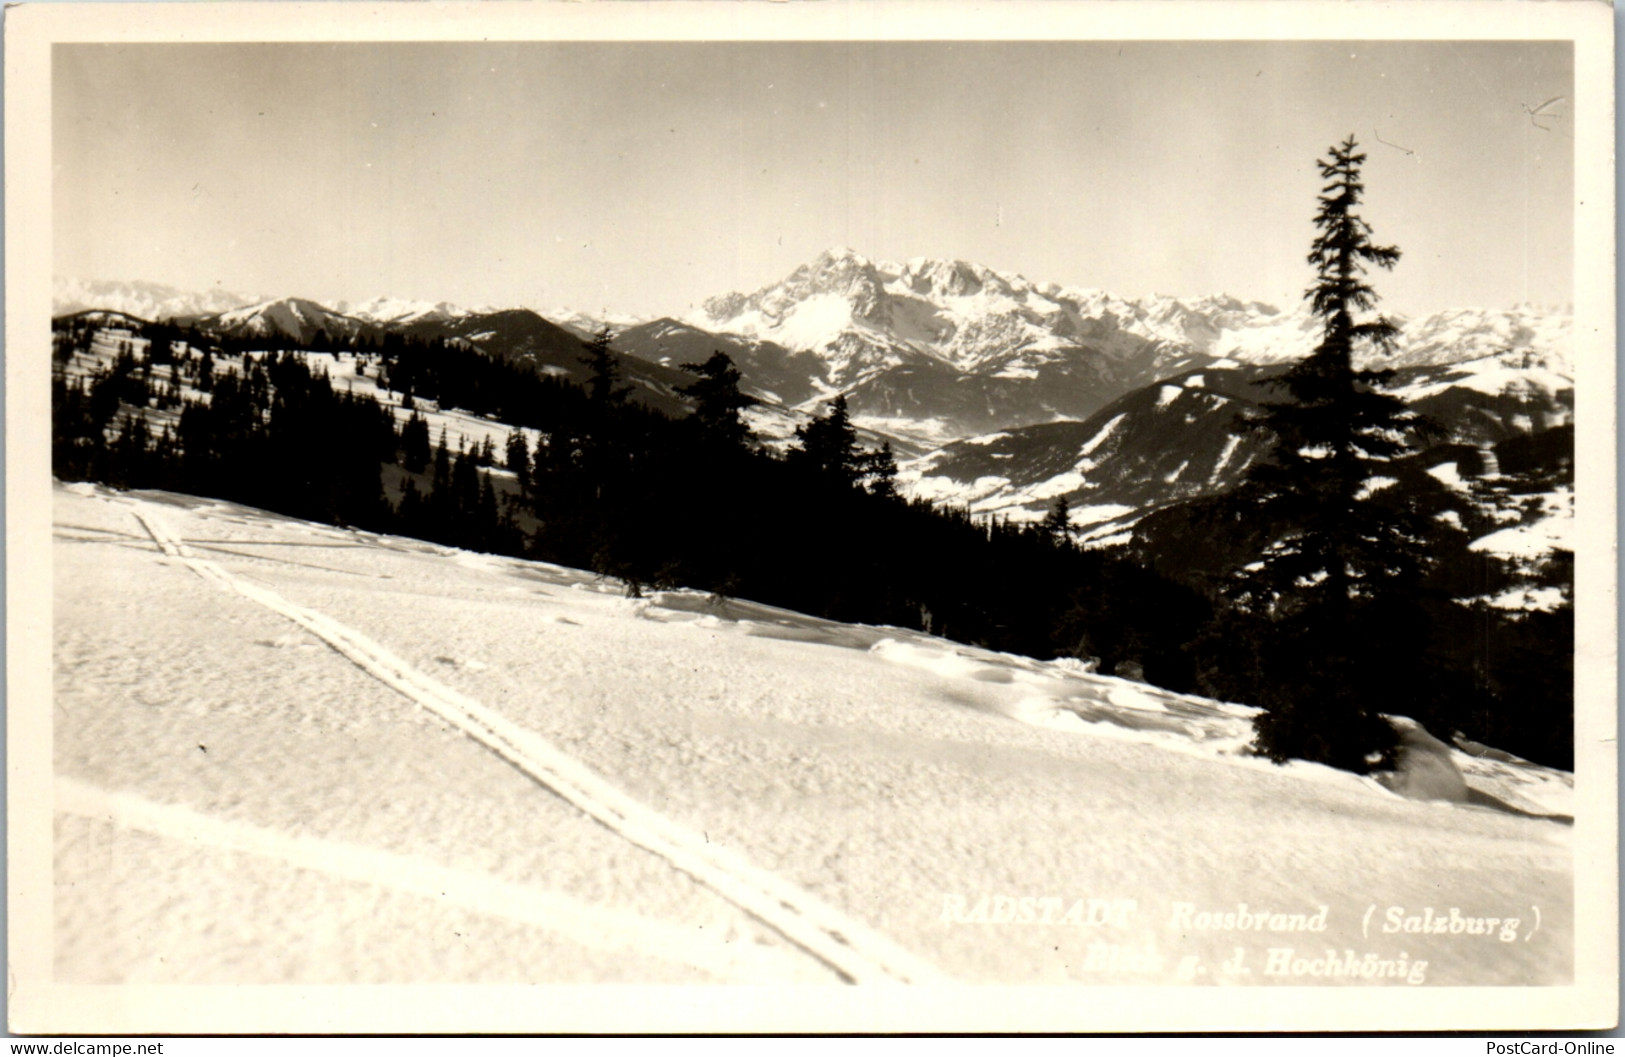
point(241, 800)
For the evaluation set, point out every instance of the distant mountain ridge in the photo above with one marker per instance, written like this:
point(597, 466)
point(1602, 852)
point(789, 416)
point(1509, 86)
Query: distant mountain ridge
point(144, 300)
point(947, 348)
point(292, 317)
point(386, 310)
point(952, 347)
point(855, 313)
point(1172, 439)
point(860, 313)
point(982, 364)
point(1153, 445)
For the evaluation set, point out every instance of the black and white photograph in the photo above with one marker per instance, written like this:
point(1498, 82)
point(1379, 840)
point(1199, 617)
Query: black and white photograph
point(519, 515)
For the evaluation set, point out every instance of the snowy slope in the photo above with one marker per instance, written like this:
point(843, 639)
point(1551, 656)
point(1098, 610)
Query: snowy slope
point(262, 777)
point(1494, 397)
point(773, 373)
point(1156, 445)
point(1452, 336)
point(402, 311)
point(588, 324)
point(1172, 439)
point(463, 431)
point(286, 317)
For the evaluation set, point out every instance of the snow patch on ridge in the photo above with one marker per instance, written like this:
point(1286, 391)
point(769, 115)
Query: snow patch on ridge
point(1551, 529)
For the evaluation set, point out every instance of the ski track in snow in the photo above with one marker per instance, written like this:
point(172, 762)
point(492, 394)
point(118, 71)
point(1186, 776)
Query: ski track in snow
point(874, 766)
point(856, 952)
point(592, 926)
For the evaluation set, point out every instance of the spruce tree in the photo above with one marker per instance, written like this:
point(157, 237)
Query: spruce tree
point(518, 458)
point(415, 447)
point(1325, 599)
point(718, 401)
point(205, 373)
point(604, 373)
point(880, 472)
point(828, 446)
point(442, 466)
point(1058, 522)
point(158, 344)
point(602, 442)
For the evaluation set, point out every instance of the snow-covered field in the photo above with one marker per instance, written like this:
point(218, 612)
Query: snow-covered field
point(289, 753)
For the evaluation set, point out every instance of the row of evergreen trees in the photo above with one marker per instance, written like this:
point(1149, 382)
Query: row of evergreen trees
point(275, 435)
point(628, 492)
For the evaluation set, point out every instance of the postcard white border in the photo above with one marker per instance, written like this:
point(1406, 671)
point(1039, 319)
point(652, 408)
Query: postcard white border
point(40, 1006)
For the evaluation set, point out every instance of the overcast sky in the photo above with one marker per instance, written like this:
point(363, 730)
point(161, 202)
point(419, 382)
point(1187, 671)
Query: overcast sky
point(643, 178)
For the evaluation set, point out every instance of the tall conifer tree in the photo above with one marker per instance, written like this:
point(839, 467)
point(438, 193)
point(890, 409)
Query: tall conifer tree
point(1342, 554)
point(518, 458)
point(604, 372)
point(880, 471)
point(1058, 522)
point(828, 446)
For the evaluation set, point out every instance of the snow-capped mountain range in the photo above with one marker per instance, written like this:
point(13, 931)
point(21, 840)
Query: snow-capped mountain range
point(963, 363)
point(156, 301)
point(385, 310)
point(933, 350)
point(292, 317)
point(150, 301)
point(1035, 391)
point(858, 316)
